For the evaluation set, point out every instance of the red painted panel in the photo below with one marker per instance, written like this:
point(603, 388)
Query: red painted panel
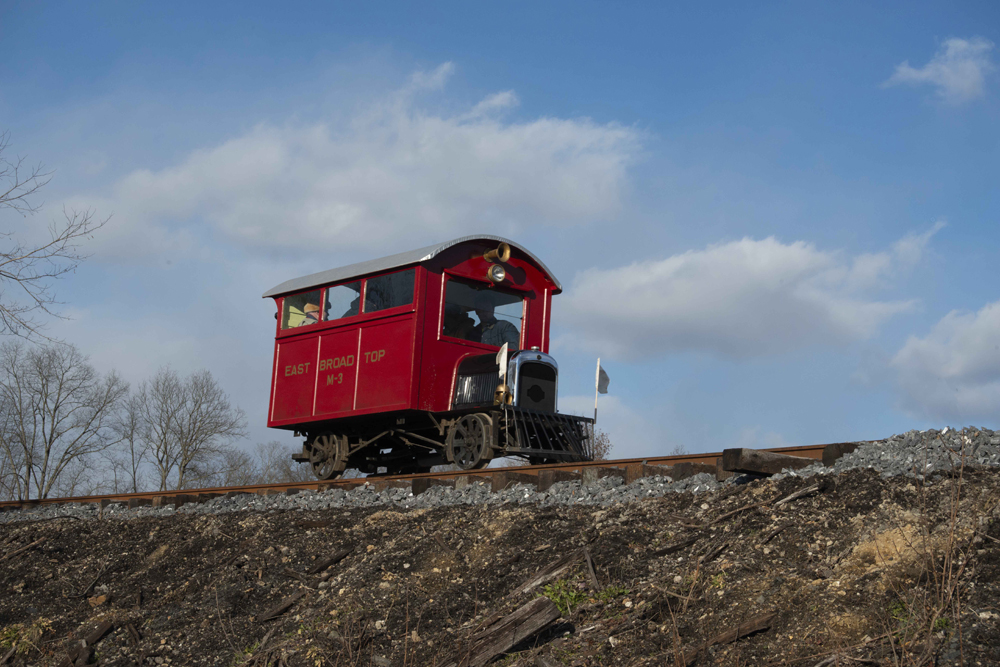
point(385, 365)
point(294, 379)
point(337, 368)
point(413, 365)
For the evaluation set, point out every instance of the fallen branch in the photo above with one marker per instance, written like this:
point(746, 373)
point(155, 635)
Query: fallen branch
point(745, 508)
point(289, 572)
point(770, 536)
point(281, 607)
point(677, 545)
point(331, 561)
point(22, 549)
point(757, 624)
point(798, 494)
point(713, 552)
point(595, 584)
point(90, 586)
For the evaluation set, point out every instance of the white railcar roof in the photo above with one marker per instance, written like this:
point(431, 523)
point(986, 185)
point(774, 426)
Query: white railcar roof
point(391, 262)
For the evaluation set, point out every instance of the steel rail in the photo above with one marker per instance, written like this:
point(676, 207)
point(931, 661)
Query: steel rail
point(181, 496)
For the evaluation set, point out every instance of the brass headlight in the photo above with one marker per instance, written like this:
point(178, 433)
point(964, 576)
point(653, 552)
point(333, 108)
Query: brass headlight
point(496, 273)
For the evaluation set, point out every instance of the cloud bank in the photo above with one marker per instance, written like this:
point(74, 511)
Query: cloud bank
point(958, 70)
point(741, 299)
point(954, 372)
point(393, 175)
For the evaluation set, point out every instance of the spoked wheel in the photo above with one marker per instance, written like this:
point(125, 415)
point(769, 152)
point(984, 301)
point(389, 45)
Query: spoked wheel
point(328, 456)
point(469, 444)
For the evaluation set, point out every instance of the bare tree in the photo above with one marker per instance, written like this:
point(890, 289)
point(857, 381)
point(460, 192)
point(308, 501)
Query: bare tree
point(207, 425)
point(269, 463)
point(601, 445)
point(161, 401)
point(187, 426)
point(277, 466)
point(56, 412)
point(27, 270)
point(236, 467)
point(127, 463)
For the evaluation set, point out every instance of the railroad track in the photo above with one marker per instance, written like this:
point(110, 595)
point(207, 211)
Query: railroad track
point(543, 476)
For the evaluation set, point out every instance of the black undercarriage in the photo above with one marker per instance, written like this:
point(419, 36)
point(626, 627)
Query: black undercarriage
point(413, 441)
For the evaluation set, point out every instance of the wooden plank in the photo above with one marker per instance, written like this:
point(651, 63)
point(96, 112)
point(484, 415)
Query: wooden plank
point(550, 572)
point(759, 462)
point(635, 471)
point(508, 633)
point(834, 451)
point(593, 473)
point(546, 478)
point(720, 474)
point(281, 607)
point(421, 484)
point(686, 469)
point(504, 479)
point(383, 484)
point(182, 499)
point(98, 632)
point(463, 481)
point(756, 624)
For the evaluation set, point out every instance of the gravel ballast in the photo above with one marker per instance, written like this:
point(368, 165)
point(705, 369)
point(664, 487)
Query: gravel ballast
point(914, 454)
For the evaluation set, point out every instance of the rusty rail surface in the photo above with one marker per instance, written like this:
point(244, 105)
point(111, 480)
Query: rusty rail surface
point(543, 476)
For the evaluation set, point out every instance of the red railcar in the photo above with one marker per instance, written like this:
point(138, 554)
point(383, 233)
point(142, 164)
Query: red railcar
point(395, 364)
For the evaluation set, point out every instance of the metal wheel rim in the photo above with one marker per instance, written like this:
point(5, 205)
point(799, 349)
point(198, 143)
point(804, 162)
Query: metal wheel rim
point(468, 442)
point(325, 457)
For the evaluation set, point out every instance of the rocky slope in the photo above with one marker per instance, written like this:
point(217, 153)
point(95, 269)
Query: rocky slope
point(890, 570)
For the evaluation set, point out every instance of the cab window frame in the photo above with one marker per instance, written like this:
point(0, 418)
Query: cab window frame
point(510, 290)
point(360, 316)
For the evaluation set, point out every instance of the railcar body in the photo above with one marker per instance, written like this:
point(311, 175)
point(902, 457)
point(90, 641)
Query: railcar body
point(392, 365)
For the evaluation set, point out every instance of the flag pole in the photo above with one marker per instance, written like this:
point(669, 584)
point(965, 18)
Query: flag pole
point(597, 387)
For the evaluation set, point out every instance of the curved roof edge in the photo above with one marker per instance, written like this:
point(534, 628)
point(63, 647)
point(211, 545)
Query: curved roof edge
point(392, 262)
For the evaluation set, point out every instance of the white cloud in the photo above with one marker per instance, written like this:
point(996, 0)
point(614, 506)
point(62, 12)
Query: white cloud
point(958, 70)
point(394, 175)
point(954, 372)
point(740, 299)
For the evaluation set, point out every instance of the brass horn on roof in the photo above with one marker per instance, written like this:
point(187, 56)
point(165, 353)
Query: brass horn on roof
point(501, 254)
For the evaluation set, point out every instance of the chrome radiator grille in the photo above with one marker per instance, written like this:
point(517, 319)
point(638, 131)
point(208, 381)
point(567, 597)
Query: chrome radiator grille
point(475, 389)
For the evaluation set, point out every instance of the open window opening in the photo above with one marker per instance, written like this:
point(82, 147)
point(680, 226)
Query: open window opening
point(482, 314)
point(301, 310)
point(384, 292)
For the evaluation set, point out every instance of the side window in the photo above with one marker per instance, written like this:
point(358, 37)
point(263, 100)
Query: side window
point(343, 301)
point(482, 314)
point(395, 289)
point(301, 309)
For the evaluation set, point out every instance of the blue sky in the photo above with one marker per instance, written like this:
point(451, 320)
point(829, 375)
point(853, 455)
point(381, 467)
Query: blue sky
point(776, 225)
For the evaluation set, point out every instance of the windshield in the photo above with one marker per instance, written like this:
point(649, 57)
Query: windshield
point(482, 314)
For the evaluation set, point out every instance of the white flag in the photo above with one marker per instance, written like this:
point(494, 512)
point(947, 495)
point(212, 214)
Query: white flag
point(602, 379)
point(502, 361)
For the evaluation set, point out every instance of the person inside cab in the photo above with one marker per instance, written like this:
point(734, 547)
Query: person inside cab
point(490, 330)
point(310, 315)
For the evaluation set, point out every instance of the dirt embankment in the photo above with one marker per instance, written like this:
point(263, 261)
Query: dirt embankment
point(863, 568)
